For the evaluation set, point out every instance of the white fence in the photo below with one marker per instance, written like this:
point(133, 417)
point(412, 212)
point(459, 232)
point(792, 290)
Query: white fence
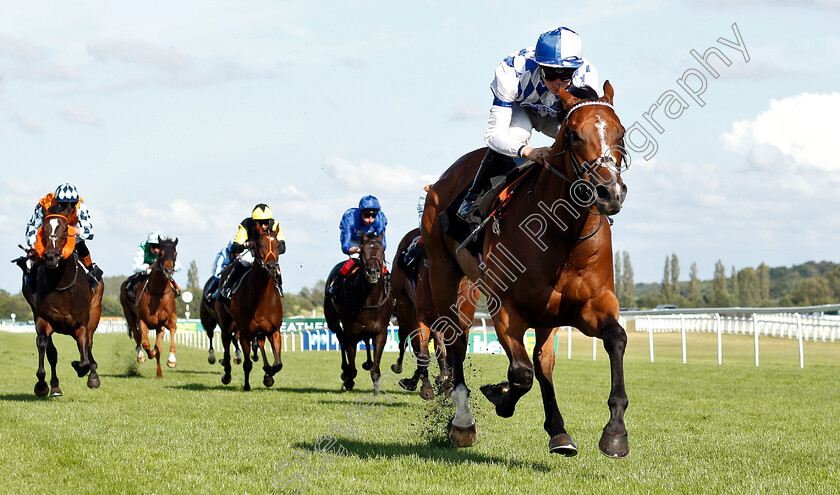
point(803, 324)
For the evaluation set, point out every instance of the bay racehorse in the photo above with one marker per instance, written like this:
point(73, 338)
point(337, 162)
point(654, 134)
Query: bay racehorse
point(545, 262)
point(255, 311)
point(415, 316)
point(153, 307)
point(209, 320)
point(360, 310)
point(62, 302)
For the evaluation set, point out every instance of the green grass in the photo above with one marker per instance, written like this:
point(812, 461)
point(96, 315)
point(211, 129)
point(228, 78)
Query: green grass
point(693, 428)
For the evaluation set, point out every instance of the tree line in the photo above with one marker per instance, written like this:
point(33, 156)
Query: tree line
point(808, 284)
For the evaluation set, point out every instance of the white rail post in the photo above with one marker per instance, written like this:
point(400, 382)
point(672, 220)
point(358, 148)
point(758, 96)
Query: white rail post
point(682, 330)
point(754, 325)
point(719, 328)
point(594, 348)
point(483, 330)
point(799, 337)
point(569, 343)
point(650, 339)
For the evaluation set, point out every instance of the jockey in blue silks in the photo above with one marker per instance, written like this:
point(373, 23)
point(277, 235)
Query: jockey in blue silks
point(367, 219)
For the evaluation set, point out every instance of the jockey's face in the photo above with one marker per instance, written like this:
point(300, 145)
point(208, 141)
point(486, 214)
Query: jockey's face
point(556, 79)
point(154, 249)
point(368, 217)
point(262, 226)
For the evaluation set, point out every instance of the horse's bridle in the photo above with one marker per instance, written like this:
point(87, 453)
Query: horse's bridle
point(264, 261)
point(379, 266)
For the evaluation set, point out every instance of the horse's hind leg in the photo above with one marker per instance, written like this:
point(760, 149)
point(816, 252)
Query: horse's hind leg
point(510, 328)
point(613, 441)
point(561, 442)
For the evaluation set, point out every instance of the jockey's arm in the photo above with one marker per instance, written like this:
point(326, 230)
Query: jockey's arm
point(84, 229)
point(33, 225)
point(279, 232)
point(346, 229)
point(139, 264)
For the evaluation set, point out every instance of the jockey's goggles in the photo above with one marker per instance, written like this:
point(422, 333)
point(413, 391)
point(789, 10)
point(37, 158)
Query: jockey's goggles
point(555, 73)
point(369, 213)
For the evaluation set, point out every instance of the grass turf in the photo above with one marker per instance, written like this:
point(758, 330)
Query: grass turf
point(698, 427)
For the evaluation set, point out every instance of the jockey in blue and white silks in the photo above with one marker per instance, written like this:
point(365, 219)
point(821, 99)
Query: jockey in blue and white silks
point(368, 219)
point(525, 91)
point(223, 259)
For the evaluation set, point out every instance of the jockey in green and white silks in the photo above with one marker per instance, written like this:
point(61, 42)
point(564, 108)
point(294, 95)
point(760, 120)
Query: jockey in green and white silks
point(147, 253)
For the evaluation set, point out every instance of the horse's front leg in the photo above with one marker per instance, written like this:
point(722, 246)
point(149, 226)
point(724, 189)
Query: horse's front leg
point(41, 342)
point(52, 356)
point(158, 350)
point(561, 442)
point(173, 327)
point(82, 366)
point(276, 347)
point(349, 367)
point(378, 347)
point(226, 340)
point(247, 364)
point(510, 328)
point(613, 441)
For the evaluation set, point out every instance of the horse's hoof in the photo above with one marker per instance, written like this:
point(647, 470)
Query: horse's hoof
point(171, 362)
point(495, 392)
point(237, 360)
point(427, 392)
point(141, 358)
point(93, 381)
point(80, 370)
point(396, 368)
point(247, 387)
point(367, 365)
point(41, 389)
point(562, 444)
point(348, 385)
point(408, 384)
point(211, 358)
point(268, 381)
point(462, 436)
point(614, 446)
point(225, 379)
point(55, 392)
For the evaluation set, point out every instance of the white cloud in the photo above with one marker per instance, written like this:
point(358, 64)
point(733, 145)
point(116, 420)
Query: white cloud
point(20, 49)
point(79, 115)
point(799, 129)
point(138, 52)
point(468, 112)
point(367, 176)
point(25, 122)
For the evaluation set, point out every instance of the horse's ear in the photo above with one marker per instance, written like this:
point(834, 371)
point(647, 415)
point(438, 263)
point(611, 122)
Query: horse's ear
point(608, 92)
point(176, 241)
point(567, 99)
point(159, 240)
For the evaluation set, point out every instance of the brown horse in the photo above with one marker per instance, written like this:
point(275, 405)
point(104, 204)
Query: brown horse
point(415, 316)
point(62, 303)
point(153, 307)
point(255, 311)
point(209, 320)
point(545, 262)
point(361, 310)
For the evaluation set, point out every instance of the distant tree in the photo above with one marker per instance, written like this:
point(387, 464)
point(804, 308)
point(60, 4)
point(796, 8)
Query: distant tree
point(618, 276)
point(748, 287)
point(192, 275)
point(764, 284)
point(14, 304)
point(111, 306)
point(733, 283)
point(675, 274)
point(627, 281)
point(720, 294)
point(694, 286)
point(667, 288)
point(810, 292)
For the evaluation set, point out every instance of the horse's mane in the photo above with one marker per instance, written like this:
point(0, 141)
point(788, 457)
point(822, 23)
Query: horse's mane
point(586, 93)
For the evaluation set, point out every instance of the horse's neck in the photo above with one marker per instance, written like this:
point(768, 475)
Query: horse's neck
point(157, 281)
point(63, 275)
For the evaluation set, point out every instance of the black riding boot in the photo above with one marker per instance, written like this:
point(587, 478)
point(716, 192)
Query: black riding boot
point(278, 283)
point(234, 274)
point(488, 168)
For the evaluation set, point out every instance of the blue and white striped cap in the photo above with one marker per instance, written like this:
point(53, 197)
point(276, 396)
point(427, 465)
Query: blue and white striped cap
point(559, 47)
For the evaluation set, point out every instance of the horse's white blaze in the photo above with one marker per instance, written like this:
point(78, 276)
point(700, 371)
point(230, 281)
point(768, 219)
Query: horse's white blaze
point(602, 133)
point(461, 398)
point(53, 227)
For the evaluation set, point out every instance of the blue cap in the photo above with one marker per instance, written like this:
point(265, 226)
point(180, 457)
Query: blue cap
point(559, 47)
point(369, 203)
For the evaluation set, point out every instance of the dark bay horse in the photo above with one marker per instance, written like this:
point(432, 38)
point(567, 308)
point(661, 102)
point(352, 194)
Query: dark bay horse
point(415, 316)
point(63, 303)
point(361, 310)
point(546, 262)
point(209, 320)
point(153, 307)
point(255, 311)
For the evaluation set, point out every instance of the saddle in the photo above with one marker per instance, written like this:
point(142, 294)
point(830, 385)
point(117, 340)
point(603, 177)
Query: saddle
point(490, 201)
point(410, 258)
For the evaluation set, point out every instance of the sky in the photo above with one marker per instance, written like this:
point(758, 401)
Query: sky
point(181, 116)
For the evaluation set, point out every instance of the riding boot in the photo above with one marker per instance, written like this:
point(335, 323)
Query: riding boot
point(175, 287)
point(130, 293)
point(225, 291)
point(488, 168)
point(414, 251)
point(94, 272)
point(278, 284)
point(211, 295)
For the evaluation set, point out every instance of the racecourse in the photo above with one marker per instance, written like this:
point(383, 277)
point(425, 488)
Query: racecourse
point(694, 428)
